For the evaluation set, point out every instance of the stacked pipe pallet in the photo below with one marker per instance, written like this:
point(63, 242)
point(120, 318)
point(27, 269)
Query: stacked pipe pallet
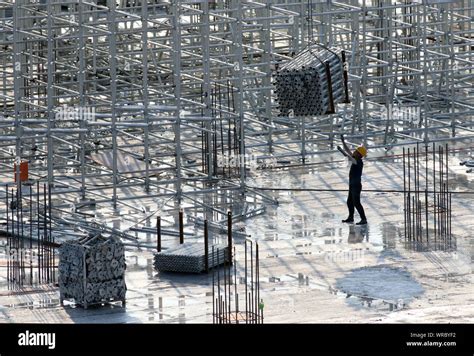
point(190, 258)
point(91, 270)
point(312, 83)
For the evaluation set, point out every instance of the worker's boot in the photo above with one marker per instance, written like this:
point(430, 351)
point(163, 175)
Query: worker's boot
point(348, 220)
point(362, 222)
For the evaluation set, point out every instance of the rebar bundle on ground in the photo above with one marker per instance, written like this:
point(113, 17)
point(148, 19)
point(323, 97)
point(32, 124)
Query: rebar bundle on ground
point(91, 270)
point(427, 199)
point(312, 82)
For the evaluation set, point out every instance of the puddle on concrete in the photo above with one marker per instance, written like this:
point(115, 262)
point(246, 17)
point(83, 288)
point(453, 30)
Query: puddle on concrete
point(391, 285)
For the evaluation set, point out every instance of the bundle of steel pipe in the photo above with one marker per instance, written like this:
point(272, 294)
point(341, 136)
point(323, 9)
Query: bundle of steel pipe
point(427, 200)
point(190, 258)
point(193, 257)
point(91, 270)
point(312, 83)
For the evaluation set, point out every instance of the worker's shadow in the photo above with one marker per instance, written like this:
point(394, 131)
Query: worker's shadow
point(357, 233)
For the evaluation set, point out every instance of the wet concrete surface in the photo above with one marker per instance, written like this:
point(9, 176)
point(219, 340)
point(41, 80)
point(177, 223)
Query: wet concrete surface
point(313, 268)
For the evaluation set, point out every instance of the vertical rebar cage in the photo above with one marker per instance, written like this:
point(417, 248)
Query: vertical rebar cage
point(427, 196)
point(231, 304)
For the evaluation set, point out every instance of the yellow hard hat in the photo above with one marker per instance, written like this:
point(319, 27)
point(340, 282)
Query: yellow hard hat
point(362, 150)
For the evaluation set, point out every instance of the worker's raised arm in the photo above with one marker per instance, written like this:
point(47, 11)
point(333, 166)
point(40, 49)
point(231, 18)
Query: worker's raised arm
point(346, 148)
point(352, 159)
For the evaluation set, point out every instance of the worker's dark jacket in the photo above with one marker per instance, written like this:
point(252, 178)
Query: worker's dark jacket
point(355, 174)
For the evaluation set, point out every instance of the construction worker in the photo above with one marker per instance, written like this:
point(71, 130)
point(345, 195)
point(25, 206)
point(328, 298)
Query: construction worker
point(355, 183)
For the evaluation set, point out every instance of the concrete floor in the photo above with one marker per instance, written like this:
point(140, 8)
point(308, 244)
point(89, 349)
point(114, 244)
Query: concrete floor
point(313, 268)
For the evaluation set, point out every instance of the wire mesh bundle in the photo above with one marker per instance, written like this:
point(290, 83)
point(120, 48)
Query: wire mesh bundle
point(189, 258)
point(91, 270)
point(311, 83)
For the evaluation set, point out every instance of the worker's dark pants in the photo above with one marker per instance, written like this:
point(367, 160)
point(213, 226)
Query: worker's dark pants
point(353, 200)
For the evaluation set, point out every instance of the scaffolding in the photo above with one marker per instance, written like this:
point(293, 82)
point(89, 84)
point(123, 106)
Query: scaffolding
point(129, 104)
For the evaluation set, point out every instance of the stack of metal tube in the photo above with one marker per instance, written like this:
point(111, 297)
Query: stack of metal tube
point(92, 269)
point(190, 258)
point(312, 83)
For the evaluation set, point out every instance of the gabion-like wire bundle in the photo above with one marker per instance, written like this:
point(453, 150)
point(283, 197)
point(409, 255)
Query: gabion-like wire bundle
point(92, 270)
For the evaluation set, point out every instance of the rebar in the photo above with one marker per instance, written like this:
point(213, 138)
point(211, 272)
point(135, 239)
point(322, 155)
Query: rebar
point(430, 206)
point(224, 310)
point(20, 228)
